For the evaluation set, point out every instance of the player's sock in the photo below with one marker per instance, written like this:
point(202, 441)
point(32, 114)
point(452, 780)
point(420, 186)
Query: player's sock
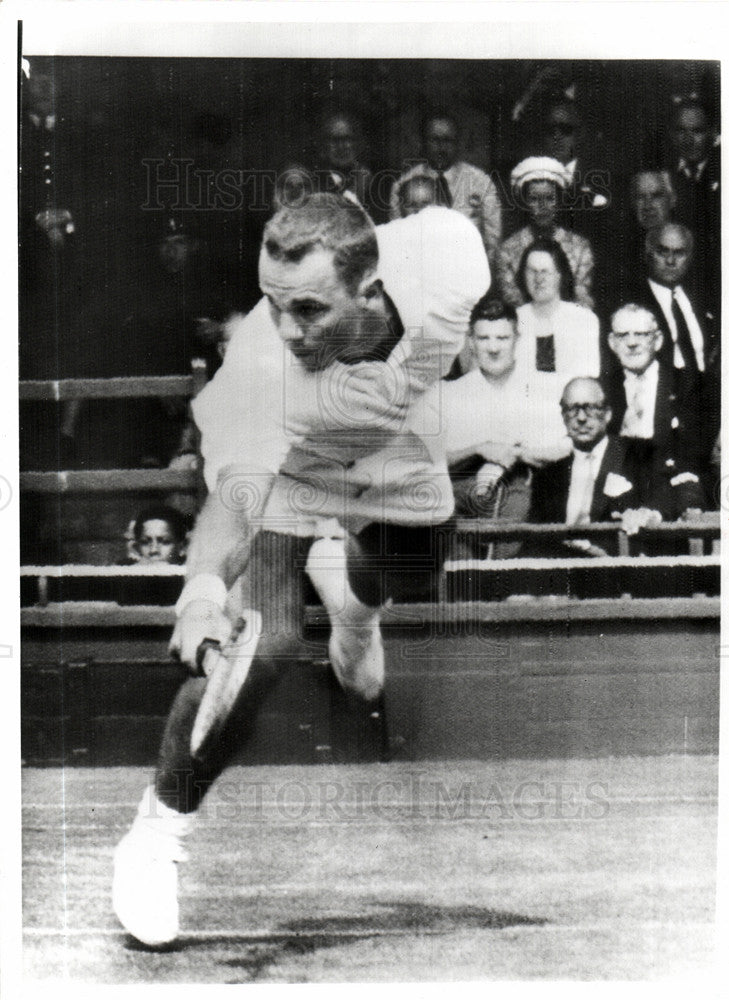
point(355, 644)
point(144, 892)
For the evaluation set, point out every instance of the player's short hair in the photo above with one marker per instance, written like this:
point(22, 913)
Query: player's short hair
point(177, 521)
point(566, 278)
point(492, 307)
point(330, 222)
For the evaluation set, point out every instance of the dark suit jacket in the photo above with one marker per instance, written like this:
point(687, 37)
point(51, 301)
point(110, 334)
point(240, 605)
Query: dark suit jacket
point(699, 207)
point(641, 293)
point(550, 491)
point(676, 446)
point(551, 486)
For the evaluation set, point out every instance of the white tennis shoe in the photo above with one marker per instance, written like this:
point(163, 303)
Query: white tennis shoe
point(144, 890)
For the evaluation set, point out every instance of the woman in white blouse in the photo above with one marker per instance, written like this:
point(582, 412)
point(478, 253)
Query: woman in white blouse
point(557, 335)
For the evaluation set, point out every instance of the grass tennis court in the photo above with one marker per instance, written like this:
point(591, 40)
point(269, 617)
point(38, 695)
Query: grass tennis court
point(518, 869)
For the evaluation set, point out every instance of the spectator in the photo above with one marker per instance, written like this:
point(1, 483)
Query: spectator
point(157, 534)
point(696, 177)
point(293, 186)
point(557, 335)
point(536, 183)
point(652, 199)
point(593, 483)
point(500, 422)
point(339, 166)
point(149, 324)
point(655, 413)
point(459, 185)
point(587, 192)
point(416, 193)
point(691, 340)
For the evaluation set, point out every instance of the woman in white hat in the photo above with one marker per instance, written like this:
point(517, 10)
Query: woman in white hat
point(537, 183)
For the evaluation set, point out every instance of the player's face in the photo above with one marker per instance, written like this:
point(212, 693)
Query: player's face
point(493, 343)
point(318, 318)
point(157, 543)
point(440, 143)
point(585, 414)
point(651, 201)
point(541, 203)
point(634, 341)
point(691, 135)
point(542, 277)
point(669, 257)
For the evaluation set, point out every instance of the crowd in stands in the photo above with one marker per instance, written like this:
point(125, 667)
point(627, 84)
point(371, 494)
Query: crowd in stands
point(588, 390)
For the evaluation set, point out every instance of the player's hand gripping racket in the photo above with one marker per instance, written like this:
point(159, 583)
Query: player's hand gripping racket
point(226, 669)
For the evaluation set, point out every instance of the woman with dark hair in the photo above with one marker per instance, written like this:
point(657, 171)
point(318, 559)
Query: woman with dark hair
point(557, 335)
point(537, 184)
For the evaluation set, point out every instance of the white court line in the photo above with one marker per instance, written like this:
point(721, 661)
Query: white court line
point(421, 804)
point(279, 935)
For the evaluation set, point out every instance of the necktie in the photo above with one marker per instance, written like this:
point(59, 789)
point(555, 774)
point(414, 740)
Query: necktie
point(633, 420)
point(443, 194)
point(683, 337)
point(583, 486)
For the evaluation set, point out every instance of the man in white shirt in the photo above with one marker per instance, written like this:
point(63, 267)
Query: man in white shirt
point(323, 451)
point(459, 185)
point(501, 420)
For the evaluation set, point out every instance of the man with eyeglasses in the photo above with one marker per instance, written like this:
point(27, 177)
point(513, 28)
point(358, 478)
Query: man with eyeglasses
point(592, 484)
point(653, 414)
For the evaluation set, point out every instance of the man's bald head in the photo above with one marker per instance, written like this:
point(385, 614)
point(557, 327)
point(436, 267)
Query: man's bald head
point(585, 412)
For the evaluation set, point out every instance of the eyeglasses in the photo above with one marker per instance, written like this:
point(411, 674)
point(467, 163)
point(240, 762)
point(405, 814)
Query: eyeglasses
point(589, 409)
point(640, 334)
point(668, 253)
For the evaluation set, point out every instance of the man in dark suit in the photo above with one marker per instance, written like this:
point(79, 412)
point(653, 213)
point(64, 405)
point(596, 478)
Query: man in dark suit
point(653, 411)
point(690, 341)
point(690, 331)
point(594, 483)
point(696, 177)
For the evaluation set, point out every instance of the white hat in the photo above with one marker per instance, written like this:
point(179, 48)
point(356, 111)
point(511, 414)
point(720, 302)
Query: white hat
point(433, 266)
point(538, 168)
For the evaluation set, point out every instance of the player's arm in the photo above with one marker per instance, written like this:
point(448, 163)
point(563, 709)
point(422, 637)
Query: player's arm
point(218, 554)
